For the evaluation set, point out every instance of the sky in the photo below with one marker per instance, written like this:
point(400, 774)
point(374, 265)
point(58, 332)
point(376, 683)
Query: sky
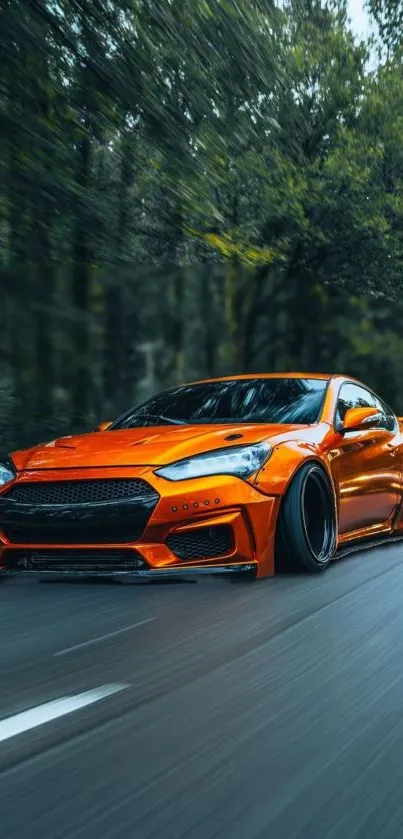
point(359, 17)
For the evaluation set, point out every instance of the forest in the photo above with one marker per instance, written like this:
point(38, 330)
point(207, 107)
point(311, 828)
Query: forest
point(192, 188)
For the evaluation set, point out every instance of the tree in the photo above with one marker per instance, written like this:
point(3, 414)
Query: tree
point(219, 181)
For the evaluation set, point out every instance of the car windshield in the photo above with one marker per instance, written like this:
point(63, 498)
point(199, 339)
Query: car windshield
point(272, 400)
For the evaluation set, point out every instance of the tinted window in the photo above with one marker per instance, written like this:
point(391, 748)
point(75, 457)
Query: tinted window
point(354, 396)
point(274, 400)
point(388, 419)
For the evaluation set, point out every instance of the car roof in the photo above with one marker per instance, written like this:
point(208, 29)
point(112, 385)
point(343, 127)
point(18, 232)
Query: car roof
point(279, 375)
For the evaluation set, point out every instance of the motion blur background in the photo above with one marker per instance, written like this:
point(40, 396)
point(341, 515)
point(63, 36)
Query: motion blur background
point(192, 188)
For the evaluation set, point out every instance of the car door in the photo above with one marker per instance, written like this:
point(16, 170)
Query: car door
point(366, 465)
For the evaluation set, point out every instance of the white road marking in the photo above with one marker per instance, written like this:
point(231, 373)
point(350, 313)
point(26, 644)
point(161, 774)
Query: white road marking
point(103, 637)
point(11, 726)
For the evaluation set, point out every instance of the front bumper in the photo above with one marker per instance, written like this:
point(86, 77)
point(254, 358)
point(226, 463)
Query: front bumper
point(176, 511)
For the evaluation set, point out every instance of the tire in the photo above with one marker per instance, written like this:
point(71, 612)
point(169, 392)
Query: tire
point(307, 520)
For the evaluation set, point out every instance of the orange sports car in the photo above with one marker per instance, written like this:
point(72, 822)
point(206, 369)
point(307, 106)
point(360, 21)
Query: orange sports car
point(226, 475)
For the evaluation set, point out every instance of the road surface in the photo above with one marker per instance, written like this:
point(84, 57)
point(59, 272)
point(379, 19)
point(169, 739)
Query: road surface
point(208, 710)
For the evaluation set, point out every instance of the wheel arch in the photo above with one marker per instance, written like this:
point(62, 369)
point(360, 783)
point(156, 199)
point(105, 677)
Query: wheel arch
point(326, 469)
point(286, 461)
point(274, 480)
point(280, 562)
point(296, 457)
point(319, 462)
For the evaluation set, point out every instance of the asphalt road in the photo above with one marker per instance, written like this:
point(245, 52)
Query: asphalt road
point(271, 710)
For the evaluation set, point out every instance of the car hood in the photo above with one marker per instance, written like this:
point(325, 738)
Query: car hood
point(144, 446)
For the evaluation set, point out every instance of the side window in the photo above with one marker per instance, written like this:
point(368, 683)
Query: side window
point(353, 396)
point(388, 420)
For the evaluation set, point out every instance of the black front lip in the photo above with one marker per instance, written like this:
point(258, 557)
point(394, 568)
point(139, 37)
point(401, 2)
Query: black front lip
point(79, 519)
point(148, 573)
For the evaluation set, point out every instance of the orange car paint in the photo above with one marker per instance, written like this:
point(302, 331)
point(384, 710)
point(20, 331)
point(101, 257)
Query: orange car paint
point(364, 467)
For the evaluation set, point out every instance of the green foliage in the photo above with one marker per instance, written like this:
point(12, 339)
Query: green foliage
point(388, 15)
point(221, 179)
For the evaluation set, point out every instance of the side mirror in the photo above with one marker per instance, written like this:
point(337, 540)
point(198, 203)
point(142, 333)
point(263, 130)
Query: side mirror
point(360, 419)
point(103, 426)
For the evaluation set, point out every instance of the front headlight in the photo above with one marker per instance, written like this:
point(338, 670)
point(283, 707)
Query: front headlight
point(7, 472)
point(242, 461)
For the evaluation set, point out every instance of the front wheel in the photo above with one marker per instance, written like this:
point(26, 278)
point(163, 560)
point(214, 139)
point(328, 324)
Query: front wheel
point(307, 520)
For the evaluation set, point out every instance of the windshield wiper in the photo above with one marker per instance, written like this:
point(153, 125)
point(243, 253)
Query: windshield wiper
point(168, 420)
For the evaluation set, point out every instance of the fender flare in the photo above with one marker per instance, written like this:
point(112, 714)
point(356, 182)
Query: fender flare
point(325, 468)
point(283, 465)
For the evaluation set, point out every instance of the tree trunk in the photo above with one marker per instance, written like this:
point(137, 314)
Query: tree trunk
point(81, 391)
point(44, 374)
point(253, 295)
point(233, 314)
point(118, 370)
point(18, 267)
point(41, 225)
point(208, 320)
point(176, 296)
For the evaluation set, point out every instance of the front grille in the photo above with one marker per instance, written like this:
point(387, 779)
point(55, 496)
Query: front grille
point(87, 512)
point(25, 534)
point(79, 492)
point(63, 560)
point(202, 543)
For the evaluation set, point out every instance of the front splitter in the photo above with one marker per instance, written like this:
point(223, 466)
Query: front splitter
point(148, 573)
